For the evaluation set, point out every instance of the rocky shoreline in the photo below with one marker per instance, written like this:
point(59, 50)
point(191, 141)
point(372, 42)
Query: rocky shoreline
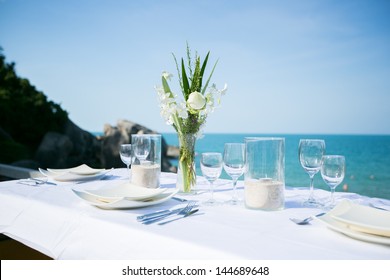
point(74, 146)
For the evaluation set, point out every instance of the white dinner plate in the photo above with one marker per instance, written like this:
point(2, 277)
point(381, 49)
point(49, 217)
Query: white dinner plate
point(124, 203)
point(79, 170)
point(341, 227)
point(126, 190)
point(68, 176)
point(365, 219)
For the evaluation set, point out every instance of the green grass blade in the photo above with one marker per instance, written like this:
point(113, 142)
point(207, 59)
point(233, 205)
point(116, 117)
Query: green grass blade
point(208, 80)
point(186, 86)
point(203, 69)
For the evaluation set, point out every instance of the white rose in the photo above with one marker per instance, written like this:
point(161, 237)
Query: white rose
point(196, 100)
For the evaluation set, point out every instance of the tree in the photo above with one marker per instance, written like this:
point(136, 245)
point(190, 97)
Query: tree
point(25, 113)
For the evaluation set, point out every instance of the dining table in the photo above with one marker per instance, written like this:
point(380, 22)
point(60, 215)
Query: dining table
point(52, 219)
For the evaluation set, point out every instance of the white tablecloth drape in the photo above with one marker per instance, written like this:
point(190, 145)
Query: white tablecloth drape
point(53, 220)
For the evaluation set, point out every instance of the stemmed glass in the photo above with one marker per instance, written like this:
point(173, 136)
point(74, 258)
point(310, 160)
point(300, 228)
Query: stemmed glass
point(125, 152)
point(141, 146)
point(211, 166)
point(332, 172)
point(310, 156)
point(234, 165)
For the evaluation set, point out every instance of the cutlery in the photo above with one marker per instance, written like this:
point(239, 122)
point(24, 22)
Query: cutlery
point(35, 182)
point(184, 211)
point(184, 216)
point(306, 220)
point(179, 199)
point(158, 213)
point(384, 207)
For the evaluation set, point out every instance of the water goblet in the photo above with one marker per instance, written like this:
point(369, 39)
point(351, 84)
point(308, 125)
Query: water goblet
point(332, 172)
point(310, 157)
point(141, 146)
point(211, 166)
point(125, 152)
point(234, 165)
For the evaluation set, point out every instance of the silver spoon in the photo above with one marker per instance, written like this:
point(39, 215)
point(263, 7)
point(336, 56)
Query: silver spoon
point(306, 220)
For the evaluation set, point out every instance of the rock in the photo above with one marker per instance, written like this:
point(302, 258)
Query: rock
point(74, 146)
point(121, 134)
point(71, 148)
point(54, 150)
point(86, 147)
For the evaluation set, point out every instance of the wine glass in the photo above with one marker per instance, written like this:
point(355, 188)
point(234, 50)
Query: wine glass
point(141, 146)
point(125, 152)
point(332, 172)
point(211, 166)
point(310, 156)
point(234, 165)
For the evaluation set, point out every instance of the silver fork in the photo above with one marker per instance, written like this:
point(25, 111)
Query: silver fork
point(181, 217)
point(33, 181)
point(306, 220)
point(186, 210)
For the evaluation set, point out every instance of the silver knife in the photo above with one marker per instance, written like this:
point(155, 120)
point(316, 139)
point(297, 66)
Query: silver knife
point(184, 216)
point(158, 214)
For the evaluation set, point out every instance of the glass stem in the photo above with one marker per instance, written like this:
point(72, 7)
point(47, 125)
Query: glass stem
point(311, 196)
point(234, 197)
point(332, 202)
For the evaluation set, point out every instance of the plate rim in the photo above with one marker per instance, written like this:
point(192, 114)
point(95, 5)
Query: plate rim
point(343, 228)
point(91, 192)
point(59, 177)
point(71, 170)
point(136, 204)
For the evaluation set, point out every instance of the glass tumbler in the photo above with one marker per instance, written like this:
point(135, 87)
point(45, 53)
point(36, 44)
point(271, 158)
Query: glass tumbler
point(146, 171)
point(264, 180)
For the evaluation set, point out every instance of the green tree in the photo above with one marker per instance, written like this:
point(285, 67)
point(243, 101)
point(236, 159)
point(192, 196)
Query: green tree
point(25, 113)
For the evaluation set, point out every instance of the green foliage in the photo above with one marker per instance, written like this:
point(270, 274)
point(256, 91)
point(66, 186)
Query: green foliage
point(25, 113)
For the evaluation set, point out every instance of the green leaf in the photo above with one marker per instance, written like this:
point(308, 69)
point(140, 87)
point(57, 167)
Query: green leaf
point(186, 86)
point(203, 69)
point(208, 80)
point(166, 87)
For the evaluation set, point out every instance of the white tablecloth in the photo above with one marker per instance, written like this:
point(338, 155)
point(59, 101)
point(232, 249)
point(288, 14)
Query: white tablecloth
point(53, 220)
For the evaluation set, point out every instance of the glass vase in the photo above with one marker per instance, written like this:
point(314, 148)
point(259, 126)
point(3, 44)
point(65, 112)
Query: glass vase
point(186, 172)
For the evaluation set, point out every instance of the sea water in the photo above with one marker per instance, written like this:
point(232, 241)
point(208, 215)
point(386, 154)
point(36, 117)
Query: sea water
point(367, 159)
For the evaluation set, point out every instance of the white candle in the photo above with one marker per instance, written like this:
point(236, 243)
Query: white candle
point(146, 175)
point(264, 194)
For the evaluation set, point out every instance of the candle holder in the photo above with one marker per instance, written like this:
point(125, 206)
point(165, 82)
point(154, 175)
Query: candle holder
point(264, 173)
point(146, 168)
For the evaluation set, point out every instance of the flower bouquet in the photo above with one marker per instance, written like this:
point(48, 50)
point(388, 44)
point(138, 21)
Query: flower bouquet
point(188, 114)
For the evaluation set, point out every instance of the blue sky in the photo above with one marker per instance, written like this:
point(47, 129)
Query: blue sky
point(291, 66)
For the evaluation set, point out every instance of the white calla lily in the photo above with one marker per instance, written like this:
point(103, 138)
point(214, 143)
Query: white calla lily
point(196, 100)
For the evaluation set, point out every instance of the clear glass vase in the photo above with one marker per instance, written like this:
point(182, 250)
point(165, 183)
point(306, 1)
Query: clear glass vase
point(186, 172)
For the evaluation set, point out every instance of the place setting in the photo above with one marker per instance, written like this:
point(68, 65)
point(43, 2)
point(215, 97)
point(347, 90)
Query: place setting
point(125, 196)
point(82, 172)
point(370, 223)
point(141, 186)
point(361, 222)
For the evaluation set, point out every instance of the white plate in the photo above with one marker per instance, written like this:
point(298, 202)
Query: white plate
point(365, 219)
point(71, 176)
point(79, 170)
point(124, 203)
point(126, 190)
point(341, 208)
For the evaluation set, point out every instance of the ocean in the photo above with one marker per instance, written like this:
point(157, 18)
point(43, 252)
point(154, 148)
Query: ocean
point(367, 159)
